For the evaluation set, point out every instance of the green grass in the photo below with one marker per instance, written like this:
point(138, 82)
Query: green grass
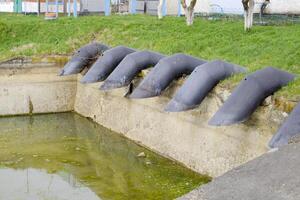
point(277, 46)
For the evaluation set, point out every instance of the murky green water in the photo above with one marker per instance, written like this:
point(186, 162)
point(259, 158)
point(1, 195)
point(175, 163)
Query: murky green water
point(66, 156)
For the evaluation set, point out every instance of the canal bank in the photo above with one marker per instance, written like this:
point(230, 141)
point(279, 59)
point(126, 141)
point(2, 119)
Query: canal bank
point(30, 87)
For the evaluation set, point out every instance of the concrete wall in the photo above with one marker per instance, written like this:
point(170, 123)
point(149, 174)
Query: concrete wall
point(93, 5)
point(37, 89)
point(151, 7)
point(172, 7)
point(228, 6)
point(184, 137)
point(235, 6)
point(284, 7)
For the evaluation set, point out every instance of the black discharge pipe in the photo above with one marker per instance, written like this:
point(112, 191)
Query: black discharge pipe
point(82, 57)
point(250, 93)
point(130, 66)
point(203, 79)
point(106, 64)
point(167, 69)
point(288, 131)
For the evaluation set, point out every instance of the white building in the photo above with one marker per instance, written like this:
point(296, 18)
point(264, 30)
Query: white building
point(31, 6)
point(234, 6)
point(6, 6)
point(173, 7)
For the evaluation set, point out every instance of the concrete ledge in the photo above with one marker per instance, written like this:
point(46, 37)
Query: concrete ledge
point(185, 137)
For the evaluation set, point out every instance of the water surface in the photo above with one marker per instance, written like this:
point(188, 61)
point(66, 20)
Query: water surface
point(66, 156)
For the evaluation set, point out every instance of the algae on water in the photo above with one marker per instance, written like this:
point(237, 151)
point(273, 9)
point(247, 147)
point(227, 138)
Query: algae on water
point(89, 158)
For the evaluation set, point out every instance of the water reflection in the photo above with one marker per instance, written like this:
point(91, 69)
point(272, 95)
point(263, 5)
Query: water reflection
point(101, 160)
point(33, 184)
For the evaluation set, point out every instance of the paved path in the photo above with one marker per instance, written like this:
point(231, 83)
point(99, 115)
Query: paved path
point(273, 176)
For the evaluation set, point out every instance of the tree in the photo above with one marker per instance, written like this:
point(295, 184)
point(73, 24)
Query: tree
point(248, 13)
point(249, 10)
point(189, 11)
point(159, 9)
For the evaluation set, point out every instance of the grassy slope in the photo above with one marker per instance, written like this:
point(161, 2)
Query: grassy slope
point(277, 46)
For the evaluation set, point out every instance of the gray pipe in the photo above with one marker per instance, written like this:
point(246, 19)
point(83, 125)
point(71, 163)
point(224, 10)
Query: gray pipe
point(83, 57)
point(164, 73)
point(288, 131)
point(250, 94)
point(203, 79)
point(106, 64)
point(130, 66)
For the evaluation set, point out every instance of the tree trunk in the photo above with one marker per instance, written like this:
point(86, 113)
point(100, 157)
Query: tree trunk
point(246, 20)
point(159, 9)
point(189, 11)
point(189, 14)
point(249, 10)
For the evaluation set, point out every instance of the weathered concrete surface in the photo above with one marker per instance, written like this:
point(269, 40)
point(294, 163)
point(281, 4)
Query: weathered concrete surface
point(273, 176)
point(185, 136)
point(35, 88)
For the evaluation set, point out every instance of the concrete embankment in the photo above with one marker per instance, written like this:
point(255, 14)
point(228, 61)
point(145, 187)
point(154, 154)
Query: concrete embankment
point(273, 176)
point(35, 88)
point(184, 137)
